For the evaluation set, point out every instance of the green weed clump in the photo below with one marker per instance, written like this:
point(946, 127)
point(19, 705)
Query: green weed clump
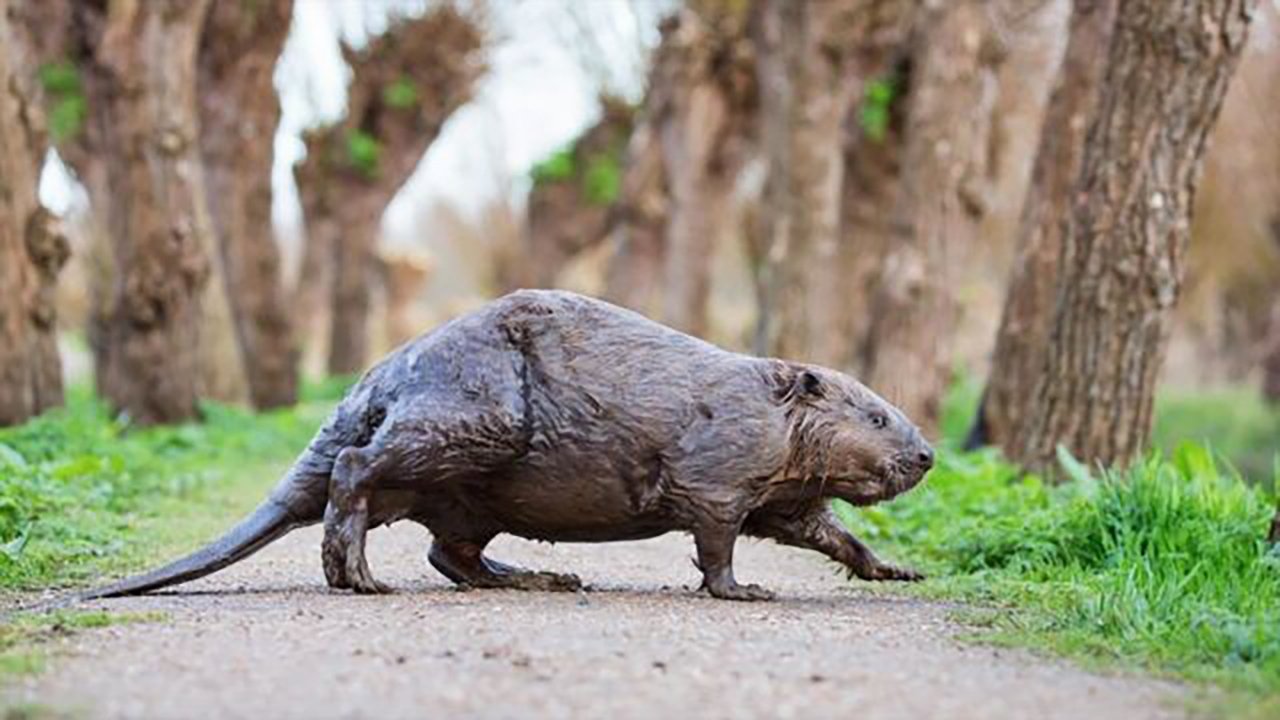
point(74, 483)
point(1163, 566)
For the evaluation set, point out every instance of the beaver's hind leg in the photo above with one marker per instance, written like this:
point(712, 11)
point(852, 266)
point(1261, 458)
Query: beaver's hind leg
point(464, 563)
point(346, 522)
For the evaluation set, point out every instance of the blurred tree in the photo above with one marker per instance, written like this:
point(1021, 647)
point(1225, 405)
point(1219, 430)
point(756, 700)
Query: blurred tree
point(807, 78)
point(1271, 363)
point(941, 196)
point(404, 85)
point(239, 111)
point(873, 142)
point(1124, 241)
point(131, 64)
point(700, 104)
point(815, 61)
point(573, 189)
point(638, 223)
point(32, 248)
point(1021, 340)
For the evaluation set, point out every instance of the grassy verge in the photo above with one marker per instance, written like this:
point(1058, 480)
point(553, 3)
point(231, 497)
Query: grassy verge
point(1162, 568)
point(81, 496)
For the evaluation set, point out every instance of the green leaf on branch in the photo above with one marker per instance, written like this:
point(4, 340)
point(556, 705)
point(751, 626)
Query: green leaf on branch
point(363, 152)
point(602, 180)
point(67, 104)
point(556, 168)
point(877, 102)
point(401, 94)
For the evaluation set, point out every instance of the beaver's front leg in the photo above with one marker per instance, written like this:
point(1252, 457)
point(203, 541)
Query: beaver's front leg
point(714, 542)
point(818, 529)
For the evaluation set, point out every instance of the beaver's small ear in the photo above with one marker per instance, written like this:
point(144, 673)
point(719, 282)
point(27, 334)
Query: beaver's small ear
point(808, 384)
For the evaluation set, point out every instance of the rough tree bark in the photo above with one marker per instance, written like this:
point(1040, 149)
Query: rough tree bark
point(940, 201)
point(404, 84)
point(1020, 341)
point(136, 61)
point(701, 105)
point(32, 249)
point(569, 204)
point(1125, 239)
point(809, 71)
point(239, 112)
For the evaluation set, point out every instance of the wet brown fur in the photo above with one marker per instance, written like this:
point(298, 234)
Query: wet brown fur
point(558, 417)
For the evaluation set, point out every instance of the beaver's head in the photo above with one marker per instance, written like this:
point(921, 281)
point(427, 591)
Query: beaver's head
point(848, 442)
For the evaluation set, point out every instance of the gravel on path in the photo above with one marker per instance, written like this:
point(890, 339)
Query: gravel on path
point(266, 639)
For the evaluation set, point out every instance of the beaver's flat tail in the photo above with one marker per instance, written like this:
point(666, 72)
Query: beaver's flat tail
point(267, 523)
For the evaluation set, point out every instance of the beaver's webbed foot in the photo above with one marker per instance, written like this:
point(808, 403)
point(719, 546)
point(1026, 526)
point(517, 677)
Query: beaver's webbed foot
point(466, 565)
point(734, 591)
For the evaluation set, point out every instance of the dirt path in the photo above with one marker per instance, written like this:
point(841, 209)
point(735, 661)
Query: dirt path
point(265, 639)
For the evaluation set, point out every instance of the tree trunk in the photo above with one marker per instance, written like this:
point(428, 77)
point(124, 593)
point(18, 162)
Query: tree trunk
point(638, 220)
point(874, 140)
point(404, 85)
point(32, 249)
point(872, 179)
point(1125, 238)
point(701, 96)
point(353, 274)
point(239, 114)
point(569, 204)
point(1028, 307)
point(807, 80)
point(1271, 363)
point(138, 64)
point(936, 215)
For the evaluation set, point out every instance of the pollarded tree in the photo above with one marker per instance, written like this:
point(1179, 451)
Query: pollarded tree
point(32, 250)
point(695, 132)
point(806, 81)
point(239, 112)
point(949, 91)
point(1021, 340)
point(637, 226)
point(573, 191)
point(404, 85)
point(701, 106)
point(135, 63)
point(813, 60)
point(1125, 239)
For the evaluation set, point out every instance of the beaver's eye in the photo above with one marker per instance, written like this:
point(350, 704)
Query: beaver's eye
point(879, 421)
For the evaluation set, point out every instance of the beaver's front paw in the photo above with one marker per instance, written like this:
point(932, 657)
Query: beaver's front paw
point(886, 572)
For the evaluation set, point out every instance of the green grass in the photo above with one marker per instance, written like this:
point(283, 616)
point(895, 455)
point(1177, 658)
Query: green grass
point(80, 495)
point(1161, 568)
point(1236, 423)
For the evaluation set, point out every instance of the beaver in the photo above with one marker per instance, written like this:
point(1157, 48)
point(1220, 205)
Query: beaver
point(554, 416)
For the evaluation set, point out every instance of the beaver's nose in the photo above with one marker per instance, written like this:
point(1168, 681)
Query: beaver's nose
point(924, 457)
